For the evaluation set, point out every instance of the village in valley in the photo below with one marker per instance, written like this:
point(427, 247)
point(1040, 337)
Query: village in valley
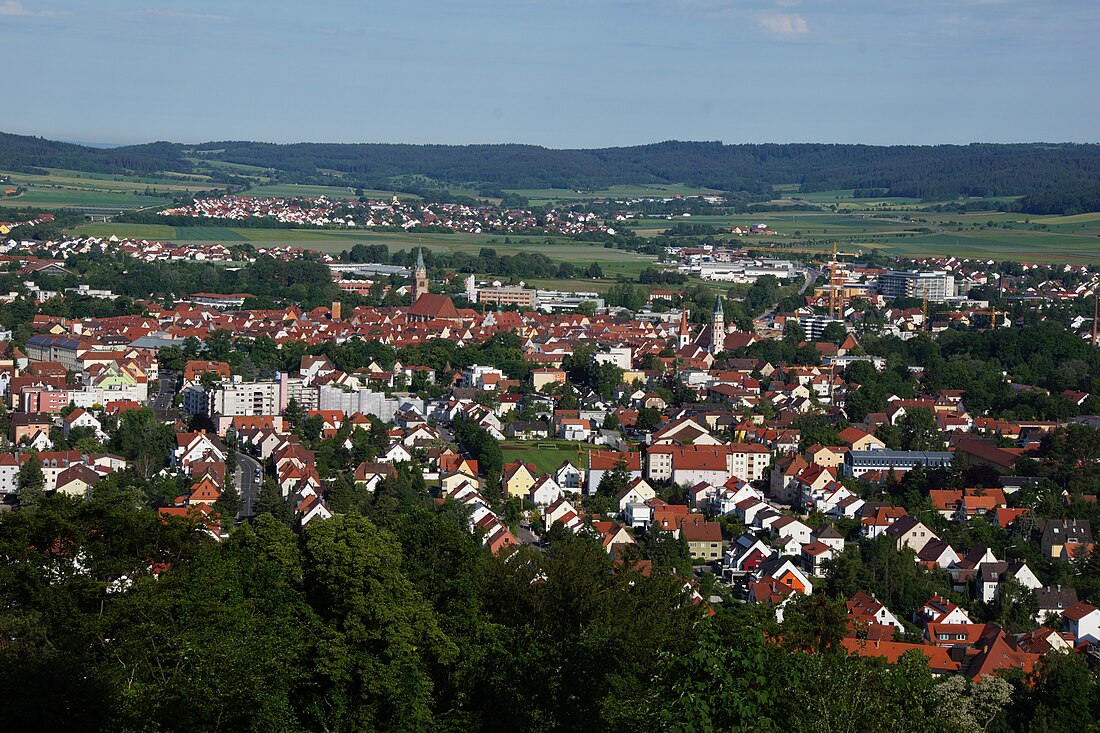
point(847, 429)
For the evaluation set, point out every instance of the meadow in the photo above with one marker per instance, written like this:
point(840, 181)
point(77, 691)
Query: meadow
point(64, 188)
point(613, 261)
point(547, 460)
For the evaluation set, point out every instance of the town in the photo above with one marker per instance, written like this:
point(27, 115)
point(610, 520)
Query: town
point(886, 438)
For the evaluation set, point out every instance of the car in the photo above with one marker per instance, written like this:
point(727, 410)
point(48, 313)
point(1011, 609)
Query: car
point(259, 471)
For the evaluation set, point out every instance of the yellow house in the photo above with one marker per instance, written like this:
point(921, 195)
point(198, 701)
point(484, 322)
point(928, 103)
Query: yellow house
point(636, 376)
point(451, 481)
point(518, 478)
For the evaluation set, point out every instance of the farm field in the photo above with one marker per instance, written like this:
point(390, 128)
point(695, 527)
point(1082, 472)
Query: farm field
point(342, 192)
point(548, 460)
point(613, 261)
point(540, 196)
point(993, 235)
point(65, 188)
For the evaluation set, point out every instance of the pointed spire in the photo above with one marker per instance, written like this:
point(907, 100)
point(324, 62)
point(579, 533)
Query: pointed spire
point(684, 322)
point(420, 259)
point(718, 311)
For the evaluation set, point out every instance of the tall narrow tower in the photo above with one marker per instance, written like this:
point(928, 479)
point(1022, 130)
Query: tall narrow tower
point(683, 337)
point(420, 276)
point(717, 327)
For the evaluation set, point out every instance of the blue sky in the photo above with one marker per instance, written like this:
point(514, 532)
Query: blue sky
point(560, 73)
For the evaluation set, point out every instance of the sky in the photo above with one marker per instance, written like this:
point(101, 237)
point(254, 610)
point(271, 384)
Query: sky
point(559, 73)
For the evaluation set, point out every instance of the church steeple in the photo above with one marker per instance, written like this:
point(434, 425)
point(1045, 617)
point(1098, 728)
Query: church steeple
point(420, 276)
point(684, 335)
point(717, 327)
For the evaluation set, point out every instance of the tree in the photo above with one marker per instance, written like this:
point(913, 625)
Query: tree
point(833, 332)
point(229, 502)
point(31, 483)
point(294, 413)
point(919, 431)
point(614, 481)
point(594, 271)
point(793, 333)
point(972, 706)
point(1015, 606)
point(270, 500)
point(378, 640)
point(648, 419)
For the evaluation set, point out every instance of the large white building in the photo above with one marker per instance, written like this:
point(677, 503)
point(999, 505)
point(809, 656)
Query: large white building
point(935, 285)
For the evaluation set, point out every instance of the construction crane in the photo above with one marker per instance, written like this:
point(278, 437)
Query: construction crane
point(992, 313)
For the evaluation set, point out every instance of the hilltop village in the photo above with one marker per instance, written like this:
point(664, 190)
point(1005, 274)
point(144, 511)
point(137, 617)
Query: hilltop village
point(883, 440)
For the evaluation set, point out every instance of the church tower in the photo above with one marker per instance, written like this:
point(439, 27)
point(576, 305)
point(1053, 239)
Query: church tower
point(717, 327)
point(420, 277)
point(684, 335)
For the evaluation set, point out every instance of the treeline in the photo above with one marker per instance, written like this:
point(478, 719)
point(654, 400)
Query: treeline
point(523, 265)
point(395, 618)
point(927, 172)
point(303, 282)
point(1014, 373)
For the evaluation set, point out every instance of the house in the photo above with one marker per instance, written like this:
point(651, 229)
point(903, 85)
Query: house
point(939, 661)
point(193, 447)
point(908, 532)
point(600, 462)
point(868, 609)
point(1083, 621)
point(369, 474)
point(857, 439)
point(1063, 539)
point(611, 535)
point(568, 477)
point(940, 610)
point(704, 540)
point(937, 553)
point(396, 453)
point(638, 492)
point(527, 430)
point(815, 554)
point(545, 491)
point(1053, 601)
point(788, 573)
point(76, 480)
point(991, 575)
point(638, 515)
point(518, 478)
point(788, 526)
point(561, 511)
point(80, 418)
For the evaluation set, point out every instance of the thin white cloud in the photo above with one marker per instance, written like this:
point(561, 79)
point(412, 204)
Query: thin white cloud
point(184, 16)
point(783, 24)
point(16, 9)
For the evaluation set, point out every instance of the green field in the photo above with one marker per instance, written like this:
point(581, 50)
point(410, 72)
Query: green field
point(540, 196)
point(613, 261)
point(288, 190)
point(545, 461)
point(65, 188)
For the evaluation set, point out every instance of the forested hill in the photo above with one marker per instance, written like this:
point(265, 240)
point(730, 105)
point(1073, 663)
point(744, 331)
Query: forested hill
point(929, 172)
point(26, 154)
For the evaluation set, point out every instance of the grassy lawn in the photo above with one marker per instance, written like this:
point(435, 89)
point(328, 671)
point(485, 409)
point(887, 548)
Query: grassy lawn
point(546, 461)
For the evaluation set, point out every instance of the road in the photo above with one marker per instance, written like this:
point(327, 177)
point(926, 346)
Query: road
point(168, 385)
point(248, 483)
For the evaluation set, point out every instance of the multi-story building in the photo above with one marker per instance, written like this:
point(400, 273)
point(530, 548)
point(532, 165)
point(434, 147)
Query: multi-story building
point(521, 297)
point(936, 285)
point(859, 462)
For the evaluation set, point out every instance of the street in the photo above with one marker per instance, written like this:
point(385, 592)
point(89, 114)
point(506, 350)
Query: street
point(248, 483)
point(168, 386)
